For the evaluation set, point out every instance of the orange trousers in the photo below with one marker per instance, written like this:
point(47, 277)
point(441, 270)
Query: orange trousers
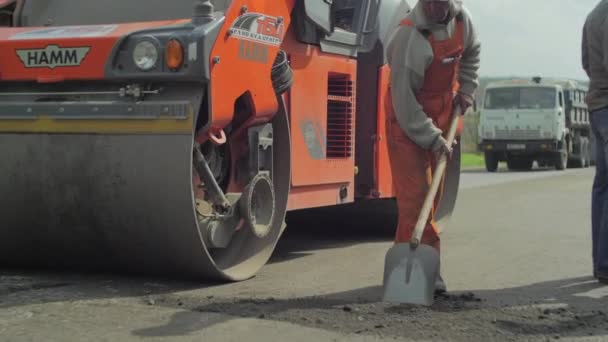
point(412, 170)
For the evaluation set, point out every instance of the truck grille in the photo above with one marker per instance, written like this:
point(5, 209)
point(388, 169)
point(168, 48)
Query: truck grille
point(521, 134)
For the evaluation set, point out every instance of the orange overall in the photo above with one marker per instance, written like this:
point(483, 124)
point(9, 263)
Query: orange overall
point(412, 166)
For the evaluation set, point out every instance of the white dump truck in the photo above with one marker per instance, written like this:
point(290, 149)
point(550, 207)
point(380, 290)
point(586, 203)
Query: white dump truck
point(547, 121)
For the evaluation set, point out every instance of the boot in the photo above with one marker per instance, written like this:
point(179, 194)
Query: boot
point(440, 287)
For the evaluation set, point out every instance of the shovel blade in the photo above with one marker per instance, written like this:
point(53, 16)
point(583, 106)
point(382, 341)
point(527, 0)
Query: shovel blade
point(410, 274)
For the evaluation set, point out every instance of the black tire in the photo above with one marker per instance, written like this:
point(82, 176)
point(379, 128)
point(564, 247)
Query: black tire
point(587, 152)
point(281, 75)
point(491, 161)
point(561, 159)
point(581, 160)
point(511, 164)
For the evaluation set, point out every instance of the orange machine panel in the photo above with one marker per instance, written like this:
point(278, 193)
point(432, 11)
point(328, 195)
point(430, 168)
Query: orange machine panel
point(384, 179)
point(319, 196)
point(242, 58)
point(322, 109)
point(19, 45)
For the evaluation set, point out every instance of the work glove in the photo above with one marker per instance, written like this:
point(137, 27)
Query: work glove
point(446, 149)
point(464, 101)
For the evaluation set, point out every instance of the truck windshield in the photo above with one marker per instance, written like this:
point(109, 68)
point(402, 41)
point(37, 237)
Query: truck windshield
point(96, 12)
point(520, 98)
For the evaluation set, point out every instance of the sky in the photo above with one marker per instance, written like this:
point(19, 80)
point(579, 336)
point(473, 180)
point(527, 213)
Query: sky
point(530, 37)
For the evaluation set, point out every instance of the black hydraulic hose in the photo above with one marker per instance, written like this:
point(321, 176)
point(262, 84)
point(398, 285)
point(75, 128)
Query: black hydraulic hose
point(282, 75)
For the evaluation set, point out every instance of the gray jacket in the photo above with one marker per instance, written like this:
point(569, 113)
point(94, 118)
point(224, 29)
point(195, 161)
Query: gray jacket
point(595, 56)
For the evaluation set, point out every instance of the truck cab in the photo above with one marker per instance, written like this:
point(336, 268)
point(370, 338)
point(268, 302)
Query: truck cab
point(523, 121)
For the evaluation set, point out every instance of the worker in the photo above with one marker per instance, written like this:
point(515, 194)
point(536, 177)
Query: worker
point(434, 59)
point(595, 63)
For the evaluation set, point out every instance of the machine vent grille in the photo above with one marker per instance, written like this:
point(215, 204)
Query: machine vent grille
point(340, 116)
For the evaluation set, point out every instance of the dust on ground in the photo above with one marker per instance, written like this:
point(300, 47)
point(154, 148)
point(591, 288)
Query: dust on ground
point(454, 317)
point(464, 316)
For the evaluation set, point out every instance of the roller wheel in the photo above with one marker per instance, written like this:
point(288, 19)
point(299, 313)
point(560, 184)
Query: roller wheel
point(131, 203)
point(237, 248)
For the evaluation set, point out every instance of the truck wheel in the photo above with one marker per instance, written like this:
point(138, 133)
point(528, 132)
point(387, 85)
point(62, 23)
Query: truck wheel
point(581, 160)
point(586, 152)
point(512, 164)
point(561, 160)
point(491, 161)
point(583, 153)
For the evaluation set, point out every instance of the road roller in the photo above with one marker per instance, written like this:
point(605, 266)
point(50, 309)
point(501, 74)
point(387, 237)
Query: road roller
point(173, 137)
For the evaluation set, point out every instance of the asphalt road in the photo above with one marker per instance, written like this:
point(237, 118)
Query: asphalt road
point(516, 259)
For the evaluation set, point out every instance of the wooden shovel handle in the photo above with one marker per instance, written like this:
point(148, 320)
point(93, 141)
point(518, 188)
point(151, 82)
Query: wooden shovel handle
point(437, 175)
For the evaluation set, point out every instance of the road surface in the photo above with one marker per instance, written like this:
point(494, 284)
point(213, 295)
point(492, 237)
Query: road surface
point(516, 259)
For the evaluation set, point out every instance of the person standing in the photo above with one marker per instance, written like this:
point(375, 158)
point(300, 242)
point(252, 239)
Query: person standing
point(433, 56)
point(595, 63)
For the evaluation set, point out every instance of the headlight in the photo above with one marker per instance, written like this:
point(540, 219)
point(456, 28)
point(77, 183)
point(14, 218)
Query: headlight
point(145, 55)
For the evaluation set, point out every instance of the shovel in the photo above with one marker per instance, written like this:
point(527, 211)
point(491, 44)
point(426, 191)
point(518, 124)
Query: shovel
point(411, 269)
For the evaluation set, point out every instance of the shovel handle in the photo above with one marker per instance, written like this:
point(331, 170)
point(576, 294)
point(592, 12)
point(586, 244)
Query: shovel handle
point(437, 175)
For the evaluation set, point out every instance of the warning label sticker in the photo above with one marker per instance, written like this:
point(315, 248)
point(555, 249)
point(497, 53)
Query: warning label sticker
point(259, 28)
